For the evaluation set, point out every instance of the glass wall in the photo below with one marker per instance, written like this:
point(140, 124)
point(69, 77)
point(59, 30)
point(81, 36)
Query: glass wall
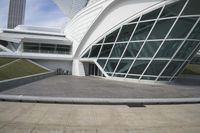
point(195, 60)
point(46, 48)
point(157, 48)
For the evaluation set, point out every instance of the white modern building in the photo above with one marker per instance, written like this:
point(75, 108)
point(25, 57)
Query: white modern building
point(116, 39)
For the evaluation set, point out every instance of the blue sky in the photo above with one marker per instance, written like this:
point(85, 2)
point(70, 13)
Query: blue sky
point(38, 13)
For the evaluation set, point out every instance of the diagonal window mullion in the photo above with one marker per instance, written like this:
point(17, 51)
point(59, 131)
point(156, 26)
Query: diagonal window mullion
point(180, 45)
point(171, 78)
point(100, 68)
point(112, 47)
point(126, 46)
point(141, 48)
point(90, 51)
point(158, 47)
point(101, 48)
point(191, 52)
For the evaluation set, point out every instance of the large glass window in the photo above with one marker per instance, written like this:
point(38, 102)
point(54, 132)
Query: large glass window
point(161, 29)
point(119, 75)
point(4, 43)
point(95, 50)
point(63, 49)
point(102, 62)
point(125, 43)
point(86, 54)
point(135, 20)
point(142, 31)
point(182, 68)
point(132, 49)
point(152, 15)
point(126, 32)
point(195, 60)
point(148, 78)
point(132, 76)
point(186, 49)
point(106, 50)
point(182, 28)
point(31, 47)
point(149, 49)
point(194, 52)
point(155, 67)
point(163, 79)
point(173, 9)
point(111, 37)
point(168, 49)
point(118, 49)
point(172, 68)
point(123, 66)
point(110, 66)
point(47, 48)
point(139, 66)
point(192, 8)
point(196, 32)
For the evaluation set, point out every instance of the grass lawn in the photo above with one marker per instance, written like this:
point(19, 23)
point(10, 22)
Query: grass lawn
point(20, 68)
point(192, 69)
point(4, 61)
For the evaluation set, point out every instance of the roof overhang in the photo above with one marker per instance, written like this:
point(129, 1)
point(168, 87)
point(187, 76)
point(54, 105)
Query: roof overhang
point(71, 7)
point(10, 39)
point(20, 36)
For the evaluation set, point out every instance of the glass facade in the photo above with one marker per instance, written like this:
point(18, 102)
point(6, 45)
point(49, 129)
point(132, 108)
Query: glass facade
point(195, 60)
point(156, 46)
point(46, 48)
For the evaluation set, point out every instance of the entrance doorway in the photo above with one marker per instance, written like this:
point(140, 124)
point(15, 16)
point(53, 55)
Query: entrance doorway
point(93, 70)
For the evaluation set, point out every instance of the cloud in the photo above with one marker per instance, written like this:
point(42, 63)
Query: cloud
point(44, 13)
point(3, 13)
point(38, 13)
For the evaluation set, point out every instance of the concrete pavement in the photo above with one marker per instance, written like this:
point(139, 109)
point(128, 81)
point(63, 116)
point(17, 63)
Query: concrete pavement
point(18, 117)
point(91, 87)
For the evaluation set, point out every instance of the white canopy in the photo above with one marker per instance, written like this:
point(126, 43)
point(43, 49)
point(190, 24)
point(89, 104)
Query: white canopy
point(9, 39)
point(71, 7)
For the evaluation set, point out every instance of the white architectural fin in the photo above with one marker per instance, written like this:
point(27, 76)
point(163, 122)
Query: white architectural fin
point(5, 49)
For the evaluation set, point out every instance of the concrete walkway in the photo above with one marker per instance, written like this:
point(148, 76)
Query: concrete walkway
point(65, 118)
point(90, 87)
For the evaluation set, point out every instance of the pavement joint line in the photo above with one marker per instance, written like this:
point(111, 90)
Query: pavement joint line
point(9, 63)
point(74, 100)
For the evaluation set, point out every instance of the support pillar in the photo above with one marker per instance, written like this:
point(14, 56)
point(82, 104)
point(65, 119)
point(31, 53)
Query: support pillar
point(78, 68)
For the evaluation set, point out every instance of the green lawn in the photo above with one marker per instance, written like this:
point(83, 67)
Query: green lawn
point(20, 68)
point(192, 69)
point(4, 61)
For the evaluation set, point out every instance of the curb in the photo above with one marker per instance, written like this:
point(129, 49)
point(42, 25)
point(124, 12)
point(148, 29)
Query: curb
point(145, 101)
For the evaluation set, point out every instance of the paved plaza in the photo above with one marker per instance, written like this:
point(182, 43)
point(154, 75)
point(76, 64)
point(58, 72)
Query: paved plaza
point(93, 87)
point(65, 118)
point(19, 117)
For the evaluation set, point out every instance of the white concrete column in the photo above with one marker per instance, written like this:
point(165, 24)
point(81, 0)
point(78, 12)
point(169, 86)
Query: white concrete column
point(78, 68)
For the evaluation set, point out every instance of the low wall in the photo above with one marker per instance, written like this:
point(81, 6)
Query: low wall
point(11, 83)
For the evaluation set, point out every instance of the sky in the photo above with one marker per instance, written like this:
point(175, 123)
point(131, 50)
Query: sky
point(38, 13)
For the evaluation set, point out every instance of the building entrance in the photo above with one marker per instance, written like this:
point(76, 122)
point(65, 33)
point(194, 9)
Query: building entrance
point(94, 70)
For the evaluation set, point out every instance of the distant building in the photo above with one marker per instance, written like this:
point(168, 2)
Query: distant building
point(16, 13)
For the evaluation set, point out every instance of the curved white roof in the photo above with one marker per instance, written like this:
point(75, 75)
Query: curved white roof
point(90, 2)
point(71, 7)
point(82, 22)
point(102, 17)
